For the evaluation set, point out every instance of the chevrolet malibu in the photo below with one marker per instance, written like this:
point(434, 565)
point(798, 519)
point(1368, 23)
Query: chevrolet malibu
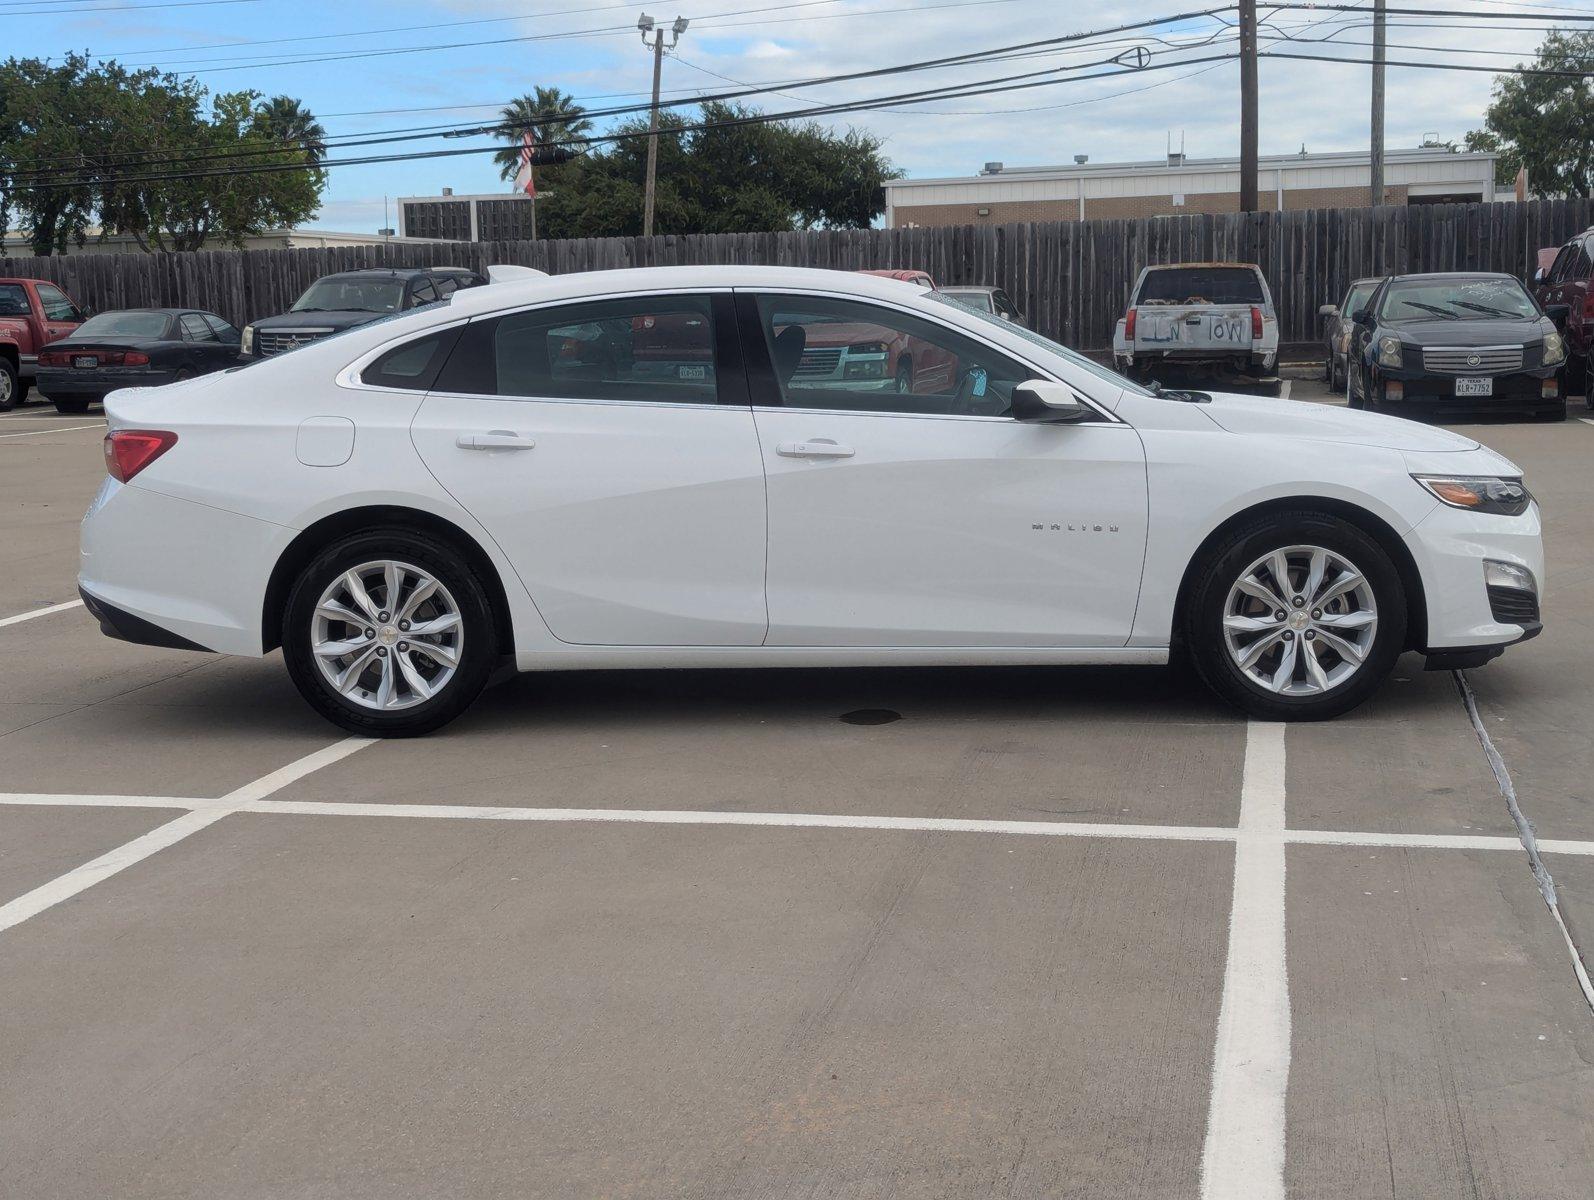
point(633, 469)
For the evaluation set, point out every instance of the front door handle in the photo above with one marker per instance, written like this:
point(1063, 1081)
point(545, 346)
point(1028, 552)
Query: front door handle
point(819, 448)
point(495, 439)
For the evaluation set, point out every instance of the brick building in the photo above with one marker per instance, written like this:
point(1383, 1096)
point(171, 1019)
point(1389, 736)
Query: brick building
point(1087, 191)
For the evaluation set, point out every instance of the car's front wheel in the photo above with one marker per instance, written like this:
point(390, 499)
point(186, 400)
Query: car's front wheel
point(1296, 617)
point(389, 633)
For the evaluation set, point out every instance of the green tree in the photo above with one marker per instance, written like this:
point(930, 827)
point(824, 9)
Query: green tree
point(1544, 123)
point(290, 121)
point(737, 175)
point(83, 143)
point(552, 114)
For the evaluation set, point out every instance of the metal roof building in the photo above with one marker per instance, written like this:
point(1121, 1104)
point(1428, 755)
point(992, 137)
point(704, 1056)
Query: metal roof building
point(1084, 190)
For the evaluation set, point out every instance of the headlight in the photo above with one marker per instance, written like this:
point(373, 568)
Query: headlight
point(1479, 493)
point(1554, 349)
point(246, 343)
point(1389, 351)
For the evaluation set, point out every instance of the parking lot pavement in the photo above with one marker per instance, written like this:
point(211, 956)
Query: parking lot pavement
point(853, 933)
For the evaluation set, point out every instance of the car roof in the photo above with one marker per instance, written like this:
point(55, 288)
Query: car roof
point(581, 284)
point(1440, 276)
point(396, 272)
point(970, 287)
point(1185, 266)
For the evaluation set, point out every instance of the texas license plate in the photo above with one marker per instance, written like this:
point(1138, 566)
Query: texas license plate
point(85, 360)
point(1474, 387)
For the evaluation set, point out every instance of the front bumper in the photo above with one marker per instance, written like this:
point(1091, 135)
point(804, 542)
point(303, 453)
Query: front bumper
point(1449, 546)
point(1437, 393)
point(99, 383)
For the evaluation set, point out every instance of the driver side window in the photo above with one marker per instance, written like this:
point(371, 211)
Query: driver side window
point(857, 357)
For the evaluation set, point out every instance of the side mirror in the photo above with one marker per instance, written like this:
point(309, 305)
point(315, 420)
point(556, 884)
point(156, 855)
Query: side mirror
point(1558, 313)
point(1328, 310)
point(1540, 275)
point(1043, 402)
point(1364, 316)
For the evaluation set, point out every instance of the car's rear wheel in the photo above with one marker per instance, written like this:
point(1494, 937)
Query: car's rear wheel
point(10, 386)
point(71, 405)
point(389, 633)
point(1298, 616)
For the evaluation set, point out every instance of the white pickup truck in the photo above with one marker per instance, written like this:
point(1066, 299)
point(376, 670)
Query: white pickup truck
point(1217, 318)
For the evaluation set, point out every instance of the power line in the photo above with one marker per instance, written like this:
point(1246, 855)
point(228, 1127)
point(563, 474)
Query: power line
point(41, 12)
point(1431, 66)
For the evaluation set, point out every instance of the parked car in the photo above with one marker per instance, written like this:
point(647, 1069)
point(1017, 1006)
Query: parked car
point(917, 278)
point(1037, 509)
point(1337, 325)
point(1216, 317)
point(33, 313)
point(136, 347)
point(1566, 293)
point(1456, 343)
point(987, 300)
point(334, 303)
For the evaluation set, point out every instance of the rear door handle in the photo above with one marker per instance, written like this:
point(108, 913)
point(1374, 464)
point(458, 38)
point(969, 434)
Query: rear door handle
point(819, 448)
point(495, 439)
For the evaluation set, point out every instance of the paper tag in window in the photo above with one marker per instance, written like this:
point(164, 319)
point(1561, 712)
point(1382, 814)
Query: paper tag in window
point(978, 377)
point(694, 373)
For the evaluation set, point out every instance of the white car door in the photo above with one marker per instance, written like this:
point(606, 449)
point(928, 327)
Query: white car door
point(608, 447)
point(906, 508)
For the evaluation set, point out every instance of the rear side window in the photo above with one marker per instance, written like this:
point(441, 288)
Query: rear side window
point(223, 331)
point(1202, 285)
point(195, 329)
point(414, 365)
point(646, 349)
point(424, 292)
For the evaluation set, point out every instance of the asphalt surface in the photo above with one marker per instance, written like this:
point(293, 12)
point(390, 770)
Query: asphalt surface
point(837, 934)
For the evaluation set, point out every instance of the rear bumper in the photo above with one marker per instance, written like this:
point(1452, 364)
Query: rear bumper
point(124, 626)
point(98, 383)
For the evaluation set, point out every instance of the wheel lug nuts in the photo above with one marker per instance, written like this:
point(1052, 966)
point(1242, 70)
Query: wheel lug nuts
point(381, 651)
point(382, 616)
point(403, 646)
point(1299, 601)
point(1317, 614)
point(1289, 635)
point(370, 633)
point(1280, 615)
point(404, 625)
point(1310, 635)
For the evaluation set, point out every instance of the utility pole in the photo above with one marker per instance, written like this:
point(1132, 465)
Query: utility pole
point(647, 25)
point(1376, 191)
point(1248, 201)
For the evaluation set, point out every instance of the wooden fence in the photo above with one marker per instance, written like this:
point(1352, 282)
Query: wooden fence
point(1071, 279)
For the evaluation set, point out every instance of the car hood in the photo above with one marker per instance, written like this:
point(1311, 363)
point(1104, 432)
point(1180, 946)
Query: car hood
point(345, 319)
point(1514, 331)
point(1251, 415)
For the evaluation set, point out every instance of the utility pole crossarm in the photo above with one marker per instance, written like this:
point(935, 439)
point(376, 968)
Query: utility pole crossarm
point(646, 25)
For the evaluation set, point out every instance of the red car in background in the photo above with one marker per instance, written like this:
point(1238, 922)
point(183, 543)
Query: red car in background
point(33, 313)
point(1564, 288)
point(857, 357)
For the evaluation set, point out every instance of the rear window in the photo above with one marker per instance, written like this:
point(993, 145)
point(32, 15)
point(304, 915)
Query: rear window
point(13, 300)
point(125, 324)
point(1202, 285)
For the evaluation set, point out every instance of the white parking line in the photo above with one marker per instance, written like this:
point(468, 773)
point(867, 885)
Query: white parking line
point(31, 904)
point(1587, 420)
point(40, 612)
point(57, 429)
point(1244, 1154)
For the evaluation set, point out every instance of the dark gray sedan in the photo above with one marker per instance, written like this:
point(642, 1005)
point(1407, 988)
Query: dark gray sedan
point(135, 347)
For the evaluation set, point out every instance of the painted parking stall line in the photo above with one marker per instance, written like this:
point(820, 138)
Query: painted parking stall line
point(1243, 1158)
point(57, 429)
point(40, 612)
point(204, 814)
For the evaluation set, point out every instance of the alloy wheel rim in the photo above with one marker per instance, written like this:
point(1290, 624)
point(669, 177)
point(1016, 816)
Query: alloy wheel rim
point(387, 635)
point(1300, 621)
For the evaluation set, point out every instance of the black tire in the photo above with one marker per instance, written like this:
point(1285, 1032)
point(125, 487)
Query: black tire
point(904, 378)
point(10, 386)
point(479, 649)
point(182, 374)
point(72, 405)
point(1201, 622)
point(1328, 371)
point(1352, 400)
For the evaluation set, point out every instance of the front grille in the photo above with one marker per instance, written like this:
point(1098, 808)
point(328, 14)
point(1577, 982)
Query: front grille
point(819, 362)
point(275, 341)
point(1459, 360)
point(1513, 606)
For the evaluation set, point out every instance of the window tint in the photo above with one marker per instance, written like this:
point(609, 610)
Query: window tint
point(424, 292)
point(127, 323)
point(447, 285)
point(13, 300)
point(223, 331)
point(414, 365)
point(195, 329)
point(55, 304)
point(840, 354)
point(1583, 260)
point(1201, 285)
point(655, 349)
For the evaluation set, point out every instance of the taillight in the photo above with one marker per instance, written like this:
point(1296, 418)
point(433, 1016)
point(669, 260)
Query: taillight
point(129, 451)
point(52, 358)
point(1129, 325)
point(1256, 323)
point(135, 358)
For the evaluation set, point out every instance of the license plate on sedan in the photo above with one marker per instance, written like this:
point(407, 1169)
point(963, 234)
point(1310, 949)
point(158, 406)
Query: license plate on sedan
point(1474, 387)
point(85, 360)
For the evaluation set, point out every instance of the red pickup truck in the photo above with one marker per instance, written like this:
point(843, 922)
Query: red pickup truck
point(33, 313)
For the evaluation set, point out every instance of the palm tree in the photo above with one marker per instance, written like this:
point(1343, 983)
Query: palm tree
point(286, 118)
point(552, 114)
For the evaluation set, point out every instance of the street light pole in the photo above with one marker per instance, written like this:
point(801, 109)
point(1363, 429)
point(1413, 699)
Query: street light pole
point(647, 25)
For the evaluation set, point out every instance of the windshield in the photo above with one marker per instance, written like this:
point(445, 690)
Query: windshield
point(980, 301)
point(1045, 343)
point(342, 293)
point(1458, 300)
point(1201, 285)
point(124, 324)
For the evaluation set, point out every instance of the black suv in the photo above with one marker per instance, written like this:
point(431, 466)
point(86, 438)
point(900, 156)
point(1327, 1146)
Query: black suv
point(334, 303)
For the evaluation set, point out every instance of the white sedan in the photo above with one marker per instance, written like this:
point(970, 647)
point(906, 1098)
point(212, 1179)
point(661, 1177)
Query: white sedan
point(662, 468)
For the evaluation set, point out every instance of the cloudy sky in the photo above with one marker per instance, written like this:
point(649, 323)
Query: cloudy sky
point(372, 66)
